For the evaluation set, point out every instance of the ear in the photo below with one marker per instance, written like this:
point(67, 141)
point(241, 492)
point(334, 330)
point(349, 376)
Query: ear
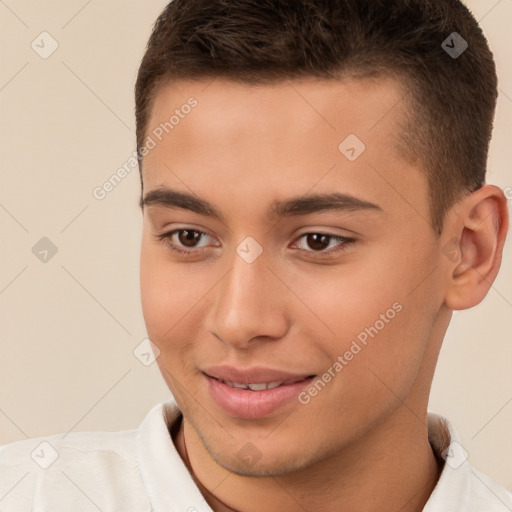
point(478, 231)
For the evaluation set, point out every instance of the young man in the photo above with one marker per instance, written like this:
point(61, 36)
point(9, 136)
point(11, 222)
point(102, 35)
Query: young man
point(315, 207)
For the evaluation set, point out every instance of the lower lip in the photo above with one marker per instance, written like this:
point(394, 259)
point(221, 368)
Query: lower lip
point(251, 405)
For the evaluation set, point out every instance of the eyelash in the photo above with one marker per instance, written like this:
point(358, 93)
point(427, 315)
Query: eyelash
point(346, 242)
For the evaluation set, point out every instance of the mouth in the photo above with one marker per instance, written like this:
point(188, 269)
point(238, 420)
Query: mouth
point(254, 394)
point(259, 386)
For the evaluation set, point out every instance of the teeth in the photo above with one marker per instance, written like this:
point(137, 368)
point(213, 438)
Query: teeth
point(236, 385)
point(272, 385)
point(257, 387)
point(253, 387)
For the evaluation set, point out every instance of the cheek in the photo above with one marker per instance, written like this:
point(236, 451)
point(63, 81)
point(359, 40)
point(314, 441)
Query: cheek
point(165, 304)
point(155, 284)
point(166, 295)
point(378, 322)
point(344, 300)
point(173, 298)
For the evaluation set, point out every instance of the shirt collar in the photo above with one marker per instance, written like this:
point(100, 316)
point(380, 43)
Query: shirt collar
point(169, 483)
point(452, 482)
point(460, 486)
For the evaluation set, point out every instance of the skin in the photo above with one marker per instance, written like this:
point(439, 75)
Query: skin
point(361, 443)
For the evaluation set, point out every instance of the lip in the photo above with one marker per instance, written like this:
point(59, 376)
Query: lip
point(254, 375)
point(247, 404)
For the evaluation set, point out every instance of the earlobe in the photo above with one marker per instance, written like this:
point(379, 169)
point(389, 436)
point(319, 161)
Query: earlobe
point(482, 228)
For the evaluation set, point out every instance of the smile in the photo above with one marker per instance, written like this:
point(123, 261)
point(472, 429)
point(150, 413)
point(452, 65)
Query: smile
point(251, 400)
point(260, 386)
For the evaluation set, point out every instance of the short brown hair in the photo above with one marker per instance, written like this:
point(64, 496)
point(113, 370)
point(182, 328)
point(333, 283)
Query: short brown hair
point(453, 98)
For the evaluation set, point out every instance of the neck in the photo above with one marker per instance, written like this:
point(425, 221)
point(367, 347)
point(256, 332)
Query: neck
point(391, 468)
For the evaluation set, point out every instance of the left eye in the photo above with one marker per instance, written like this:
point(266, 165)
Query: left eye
point(187, 239)
point(321, 241)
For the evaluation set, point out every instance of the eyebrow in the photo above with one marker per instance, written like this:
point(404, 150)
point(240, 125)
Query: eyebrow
point(295, 206)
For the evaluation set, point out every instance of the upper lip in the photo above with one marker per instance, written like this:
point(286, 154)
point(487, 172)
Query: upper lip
point(254, 375)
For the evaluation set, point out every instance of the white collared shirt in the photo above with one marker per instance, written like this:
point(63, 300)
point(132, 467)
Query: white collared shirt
point(141, 471)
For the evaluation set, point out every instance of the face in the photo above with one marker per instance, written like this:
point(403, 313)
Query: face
point(301, 258)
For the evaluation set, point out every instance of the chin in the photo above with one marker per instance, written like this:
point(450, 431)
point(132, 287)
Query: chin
point(248, 461)
point(259, 469)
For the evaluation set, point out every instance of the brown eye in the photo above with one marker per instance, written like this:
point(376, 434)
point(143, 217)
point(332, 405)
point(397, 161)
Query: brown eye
point(189, 237)
point(185, 241)
point(317, 241)
point(321, 244)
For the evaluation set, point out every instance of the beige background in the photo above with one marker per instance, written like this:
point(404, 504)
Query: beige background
point(69, 326)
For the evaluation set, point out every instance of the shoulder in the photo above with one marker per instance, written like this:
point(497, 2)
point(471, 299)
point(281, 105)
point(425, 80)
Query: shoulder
point(73, 469)
point(487, 494)
point(43, 451)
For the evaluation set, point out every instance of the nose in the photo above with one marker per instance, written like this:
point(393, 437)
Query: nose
point(250, 304)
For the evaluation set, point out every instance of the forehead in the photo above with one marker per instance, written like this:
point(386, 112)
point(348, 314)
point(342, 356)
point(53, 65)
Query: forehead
point(245, 142)
point(299, 107)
